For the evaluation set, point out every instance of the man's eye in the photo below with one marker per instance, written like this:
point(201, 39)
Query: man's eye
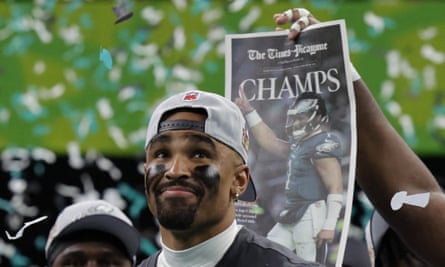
point(160, 154)
point(105, 263)
point(200, 154)
point(74, 263)
point(111, 262)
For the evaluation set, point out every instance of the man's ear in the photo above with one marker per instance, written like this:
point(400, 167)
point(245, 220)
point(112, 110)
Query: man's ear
point(145, 168)
point(241, 180)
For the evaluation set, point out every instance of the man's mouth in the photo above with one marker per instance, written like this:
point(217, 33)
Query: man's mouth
point(178, 190)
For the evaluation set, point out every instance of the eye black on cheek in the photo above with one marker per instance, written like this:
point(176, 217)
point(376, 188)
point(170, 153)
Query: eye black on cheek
point(209, 175)
point(153, 172)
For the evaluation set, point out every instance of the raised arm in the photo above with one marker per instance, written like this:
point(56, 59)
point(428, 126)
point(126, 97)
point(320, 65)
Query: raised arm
point(264, 135)
point(387, 165)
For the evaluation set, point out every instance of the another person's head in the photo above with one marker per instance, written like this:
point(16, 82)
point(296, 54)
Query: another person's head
point(92, 231)
point(306, 115)
point(196, 156)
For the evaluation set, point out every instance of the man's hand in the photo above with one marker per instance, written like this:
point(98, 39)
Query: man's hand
point(325, 236)
point(299, 18)
point(243, 102)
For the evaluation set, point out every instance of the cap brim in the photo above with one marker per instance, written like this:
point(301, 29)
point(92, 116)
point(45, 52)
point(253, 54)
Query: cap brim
point(127, 234)
point(250, 194)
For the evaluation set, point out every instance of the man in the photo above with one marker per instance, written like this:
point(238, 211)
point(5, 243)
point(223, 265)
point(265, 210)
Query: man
point(92, 232)
point(195, 171)
point(386, 165)
point(314, 186)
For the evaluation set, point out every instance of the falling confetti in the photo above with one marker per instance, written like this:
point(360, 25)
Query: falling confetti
point(121, 13)
point(105, 57)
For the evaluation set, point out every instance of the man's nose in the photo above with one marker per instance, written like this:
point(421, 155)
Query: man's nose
point(296, 124)
point(179, 167)
point(98, 263)
point(91, 263)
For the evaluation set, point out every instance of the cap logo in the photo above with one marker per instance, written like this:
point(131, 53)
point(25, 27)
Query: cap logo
point(102, 209)
point(98, 209)
point(191, 96)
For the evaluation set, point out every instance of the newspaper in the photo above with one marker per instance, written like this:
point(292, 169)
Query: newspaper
point(269, 72)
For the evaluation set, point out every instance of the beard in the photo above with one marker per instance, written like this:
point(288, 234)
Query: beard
point(174, 214)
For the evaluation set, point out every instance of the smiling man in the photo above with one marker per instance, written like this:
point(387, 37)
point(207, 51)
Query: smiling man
point(196, 155)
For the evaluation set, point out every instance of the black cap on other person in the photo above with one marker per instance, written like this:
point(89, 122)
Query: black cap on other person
point(99, 220)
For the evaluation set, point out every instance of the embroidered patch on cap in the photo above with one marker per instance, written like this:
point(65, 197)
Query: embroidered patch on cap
point(190, 96)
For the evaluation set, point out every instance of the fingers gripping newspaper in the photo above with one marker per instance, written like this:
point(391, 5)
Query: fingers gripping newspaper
point(297, 98)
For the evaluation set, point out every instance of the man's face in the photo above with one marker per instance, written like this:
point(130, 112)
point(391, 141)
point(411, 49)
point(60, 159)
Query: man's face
point(299, 121)
point(98, 254)
point(190, 178)
point(295, 125)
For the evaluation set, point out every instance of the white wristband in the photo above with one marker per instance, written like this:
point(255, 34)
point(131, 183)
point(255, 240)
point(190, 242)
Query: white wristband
point(253, 118)
point(334, 205)
point(354, 73)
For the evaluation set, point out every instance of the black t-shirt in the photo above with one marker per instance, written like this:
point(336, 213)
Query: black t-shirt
point(251, 249)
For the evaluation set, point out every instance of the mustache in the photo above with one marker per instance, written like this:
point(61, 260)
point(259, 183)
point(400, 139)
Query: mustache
point(197, 190)
point(156, 172)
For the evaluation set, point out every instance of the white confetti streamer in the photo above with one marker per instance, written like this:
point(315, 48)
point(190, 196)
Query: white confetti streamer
point(19, 234)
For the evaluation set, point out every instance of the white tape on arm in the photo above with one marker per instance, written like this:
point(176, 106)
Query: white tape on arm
point(334, 205)
point(402, 197)
point(303, 12)
point(253, 118)
point(289, 14)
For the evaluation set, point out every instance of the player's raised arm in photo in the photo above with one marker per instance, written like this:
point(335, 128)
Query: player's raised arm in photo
point(259, 129)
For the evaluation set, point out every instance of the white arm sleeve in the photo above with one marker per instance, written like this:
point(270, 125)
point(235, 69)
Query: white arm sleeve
point(334, 205)
point(253, 118)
